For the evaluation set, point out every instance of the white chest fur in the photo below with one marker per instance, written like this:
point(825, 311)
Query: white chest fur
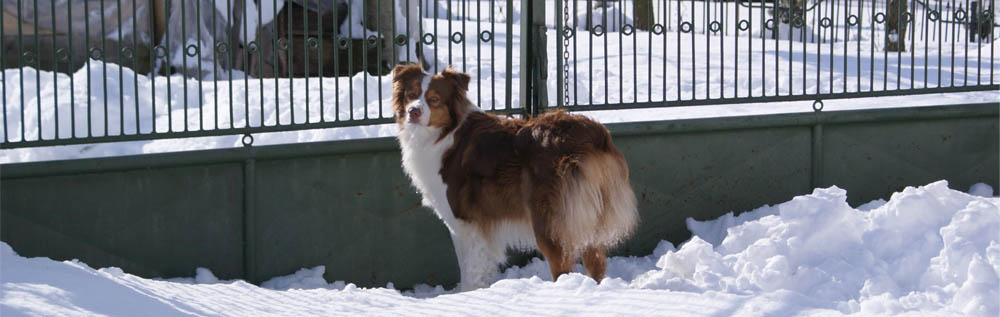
point(422, 155)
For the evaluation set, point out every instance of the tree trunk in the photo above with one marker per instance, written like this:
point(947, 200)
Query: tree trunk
point(895, 27)
point(643, 13)
point(378, 17)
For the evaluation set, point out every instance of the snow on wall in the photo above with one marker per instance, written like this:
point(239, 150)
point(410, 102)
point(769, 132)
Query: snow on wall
point(928, 250)
point(353, 26)
point(268, 12)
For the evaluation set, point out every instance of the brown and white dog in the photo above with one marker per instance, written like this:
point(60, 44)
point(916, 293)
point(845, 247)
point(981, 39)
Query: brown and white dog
point(555, 183)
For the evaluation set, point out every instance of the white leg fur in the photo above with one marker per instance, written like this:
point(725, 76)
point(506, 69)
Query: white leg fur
point(478, 256)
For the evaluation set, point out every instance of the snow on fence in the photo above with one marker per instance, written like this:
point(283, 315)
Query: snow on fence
point(97, 71)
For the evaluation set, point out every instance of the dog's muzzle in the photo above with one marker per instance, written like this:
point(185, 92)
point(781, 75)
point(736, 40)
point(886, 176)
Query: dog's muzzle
point(414, 115)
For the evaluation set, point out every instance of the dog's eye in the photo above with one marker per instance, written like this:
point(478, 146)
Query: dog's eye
point(433, 99)
point(412, 96)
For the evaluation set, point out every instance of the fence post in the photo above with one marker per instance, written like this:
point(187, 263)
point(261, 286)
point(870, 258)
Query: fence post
point(533, 63)
point(250, 264)
point(816, 160)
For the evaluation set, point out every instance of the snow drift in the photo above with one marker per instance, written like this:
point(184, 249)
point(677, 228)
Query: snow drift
point(927, 250)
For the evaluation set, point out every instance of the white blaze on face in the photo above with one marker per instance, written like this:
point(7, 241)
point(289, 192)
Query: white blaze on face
point(420, 105)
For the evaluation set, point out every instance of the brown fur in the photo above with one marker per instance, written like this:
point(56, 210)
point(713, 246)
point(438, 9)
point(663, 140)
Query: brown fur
point(559, 171)
point(406, 88)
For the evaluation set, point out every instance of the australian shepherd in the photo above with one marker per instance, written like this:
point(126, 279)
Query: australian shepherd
point(555, 182)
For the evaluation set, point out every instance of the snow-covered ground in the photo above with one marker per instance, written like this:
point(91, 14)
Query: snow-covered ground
point(642, 67)
point(929, 250)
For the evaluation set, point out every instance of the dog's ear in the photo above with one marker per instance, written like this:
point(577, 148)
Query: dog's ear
point(405, 70)
point(399, 73)
point(460, 79)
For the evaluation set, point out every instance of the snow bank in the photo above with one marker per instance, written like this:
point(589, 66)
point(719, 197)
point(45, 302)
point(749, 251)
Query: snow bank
point(927, 250)
point(303, 278)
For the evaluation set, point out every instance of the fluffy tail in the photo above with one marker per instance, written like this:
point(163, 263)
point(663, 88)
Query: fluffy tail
point(598, 204)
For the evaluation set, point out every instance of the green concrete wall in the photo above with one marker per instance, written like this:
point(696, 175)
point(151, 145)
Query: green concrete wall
point(254, 213)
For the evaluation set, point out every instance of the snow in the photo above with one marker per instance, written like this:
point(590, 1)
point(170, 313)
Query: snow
point(928, 250)
point(223, 7)
point(269, 11)
point(982, 190)
point(613, 15)
point(353, 26)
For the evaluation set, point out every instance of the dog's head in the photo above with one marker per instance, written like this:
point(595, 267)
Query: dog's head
point(429, 100)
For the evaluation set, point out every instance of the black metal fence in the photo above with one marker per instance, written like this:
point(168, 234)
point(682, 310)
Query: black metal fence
point(715, 52)
point(83, 71)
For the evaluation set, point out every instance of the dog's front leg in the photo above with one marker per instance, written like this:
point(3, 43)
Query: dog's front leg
point(478, 257)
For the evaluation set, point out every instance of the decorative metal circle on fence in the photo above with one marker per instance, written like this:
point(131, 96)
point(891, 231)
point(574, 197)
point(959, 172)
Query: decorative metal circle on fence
point(825, 22)
point(933, 15)
point(798, 22)
point(160, 52)
point(98, 54)
point(686, 27)
point(568, 32)
point(62, 55)
point(715, 26)
point(817, 105)
point(29, 57)
point(221, 48)
point(658, 29)
point(597, 30)
point(192, 50)
point(126, 53)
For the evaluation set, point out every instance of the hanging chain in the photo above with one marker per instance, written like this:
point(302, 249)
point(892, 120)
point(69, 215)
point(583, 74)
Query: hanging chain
point(566, 35)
